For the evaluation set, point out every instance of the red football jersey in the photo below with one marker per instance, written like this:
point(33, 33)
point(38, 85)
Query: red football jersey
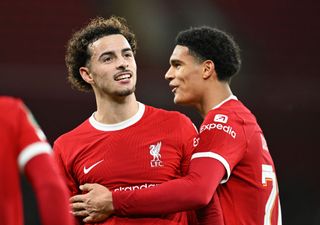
point(150, 148)
point(249, 193)
point(21, 139)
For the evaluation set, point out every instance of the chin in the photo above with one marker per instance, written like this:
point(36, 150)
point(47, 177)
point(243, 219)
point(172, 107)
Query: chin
point(127, 92)
point(178, 101)
point(182, 101)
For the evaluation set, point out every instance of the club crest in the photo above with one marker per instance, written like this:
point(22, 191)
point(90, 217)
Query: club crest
point(155, 152)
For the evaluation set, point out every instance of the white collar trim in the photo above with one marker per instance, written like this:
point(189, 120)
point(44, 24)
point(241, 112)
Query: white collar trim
point(231, 97)
point(118, 126)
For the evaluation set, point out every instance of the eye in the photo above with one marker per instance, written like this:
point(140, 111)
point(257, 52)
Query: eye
point(176, 65)
point(128, 54)
point(107, 59)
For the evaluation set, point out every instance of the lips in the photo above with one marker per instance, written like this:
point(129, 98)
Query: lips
point(123, 76)
point(174, 88)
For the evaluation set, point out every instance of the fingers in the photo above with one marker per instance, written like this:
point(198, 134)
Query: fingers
point(87, 187)
point(88, 219)
point(79, 209)
point(78, 198)
point(95, 217)
point(78, 206)
point(84, 188)
point(82, 213)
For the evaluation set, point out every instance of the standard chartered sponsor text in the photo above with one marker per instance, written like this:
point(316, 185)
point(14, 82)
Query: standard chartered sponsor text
point(135, 187)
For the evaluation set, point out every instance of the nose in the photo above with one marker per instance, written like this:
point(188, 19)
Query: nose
point(123, 63)
point(169, 74)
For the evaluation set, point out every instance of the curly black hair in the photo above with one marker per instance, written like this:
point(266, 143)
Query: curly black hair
point(77, 54)
point(207, 43)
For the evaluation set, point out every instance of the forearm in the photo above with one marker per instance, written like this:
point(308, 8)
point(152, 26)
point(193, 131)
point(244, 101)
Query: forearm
point(50, 191)
point(190, 192)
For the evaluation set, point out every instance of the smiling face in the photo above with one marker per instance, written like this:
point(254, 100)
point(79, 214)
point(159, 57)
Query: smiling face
point(185, 76)
point(112, 69)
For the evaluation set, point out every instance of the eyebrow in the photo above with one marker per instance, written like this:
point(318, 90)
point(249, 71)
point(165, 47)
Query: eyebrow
point(112, 52)
point(174, 61)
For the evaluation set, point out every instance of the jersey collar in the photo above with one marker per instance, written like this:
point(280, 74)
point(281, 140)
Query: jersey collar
point(231, 97)
point(118, 126)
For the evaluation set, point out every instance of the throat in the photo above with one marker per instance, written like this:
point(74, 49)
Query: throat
point(116, 113)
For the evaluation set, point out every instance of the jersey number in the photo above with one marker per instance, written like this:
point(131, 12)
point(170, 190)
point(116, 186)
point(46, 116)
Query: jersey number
point(269, 175)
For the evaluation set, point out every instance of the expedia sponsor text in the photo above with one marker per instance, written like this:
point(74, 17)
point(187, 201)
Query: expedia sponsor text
point(225, 128)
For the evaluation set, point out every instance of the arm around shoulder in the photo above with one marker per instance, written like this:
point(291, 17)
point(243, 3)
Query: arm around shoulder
point(193, 191)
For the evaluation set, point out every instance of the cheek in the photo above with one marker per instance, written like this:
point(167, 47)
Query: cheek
point(133, 65)
point(189, 79)
point(133, 68)
point(192, 85)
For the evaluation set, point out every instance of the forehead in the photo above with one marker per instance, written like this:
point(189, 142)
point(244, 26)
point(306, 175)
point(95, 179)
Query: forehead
point(112, 42)
point(181, 53)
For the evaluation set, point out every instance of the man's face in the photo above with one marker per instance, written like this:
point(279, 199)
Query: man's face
point(184, 75)
point(112, 66)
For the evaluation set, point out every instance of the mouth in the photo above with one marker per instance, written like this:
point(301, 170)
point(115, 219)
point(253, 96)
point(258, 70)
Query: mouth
point(173, 88)
point(125, 75)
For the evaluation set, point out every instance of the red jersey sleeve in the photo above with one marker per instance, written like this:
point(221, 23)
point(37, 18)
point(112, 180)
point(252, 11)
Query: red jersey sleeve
point(33, 156)
point(190, 192)
point(222, 137)
point(31, 140)
point(51, 192)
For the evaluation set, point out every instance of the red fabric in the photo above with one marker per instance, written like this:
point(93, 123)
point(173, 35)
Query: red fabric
point(193, 191)
point(248, 194)
point(231, 134)
point(150, 148)
point(11, 212)
point(212, 213)
point(23, 147)
point(50, 191)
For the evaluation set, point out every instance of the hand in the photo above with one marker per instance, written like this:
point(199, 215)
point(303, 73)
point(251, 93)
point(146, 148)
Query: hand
point(95, 205)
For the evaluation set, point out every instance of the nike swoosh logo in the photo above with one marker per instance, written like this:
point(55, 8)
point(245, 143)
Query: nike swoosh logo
point(85, 170)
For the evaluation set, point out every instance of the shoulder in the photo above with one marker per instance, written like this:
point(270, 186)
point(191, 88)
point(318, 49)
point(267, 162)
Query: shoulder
point(174, 120)
point(12, 109)
point(7, 102)
point(170, 114)
point(231, 110)
point(73, 135)
point(232, 118)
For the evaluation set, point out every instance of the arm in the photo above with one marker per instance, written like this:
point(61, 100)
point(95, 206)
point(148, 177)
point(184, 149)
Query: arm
point(49, 189)
point(190, 192)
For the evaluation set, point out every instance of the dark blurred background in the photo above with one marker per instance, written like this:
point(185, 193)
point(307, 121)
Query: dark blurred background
point(280, 53)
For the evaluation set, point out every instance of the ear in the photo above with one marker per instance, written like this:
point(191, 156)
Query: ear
point(86, 75)
point(208, 69)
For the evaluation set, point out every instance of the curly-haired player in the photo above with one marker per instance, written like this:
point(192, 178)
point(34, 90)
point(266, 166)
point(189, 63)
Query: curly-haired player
point(125, 145)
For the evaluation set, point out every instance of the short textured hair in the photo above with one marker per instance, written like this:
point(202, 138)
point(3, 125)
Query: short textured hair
point(78, 55)
point(207, 43)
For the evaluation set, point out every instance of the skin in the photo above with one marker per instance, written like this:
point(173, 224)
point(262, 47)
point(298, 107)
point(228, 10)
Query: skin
point(112, 72)
point(193, 83)
point(94, 206)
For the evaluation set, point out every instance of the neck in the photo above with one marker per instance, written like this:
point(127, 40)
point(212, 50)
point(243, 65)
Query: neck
point(213, 97)
point(111, 111)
